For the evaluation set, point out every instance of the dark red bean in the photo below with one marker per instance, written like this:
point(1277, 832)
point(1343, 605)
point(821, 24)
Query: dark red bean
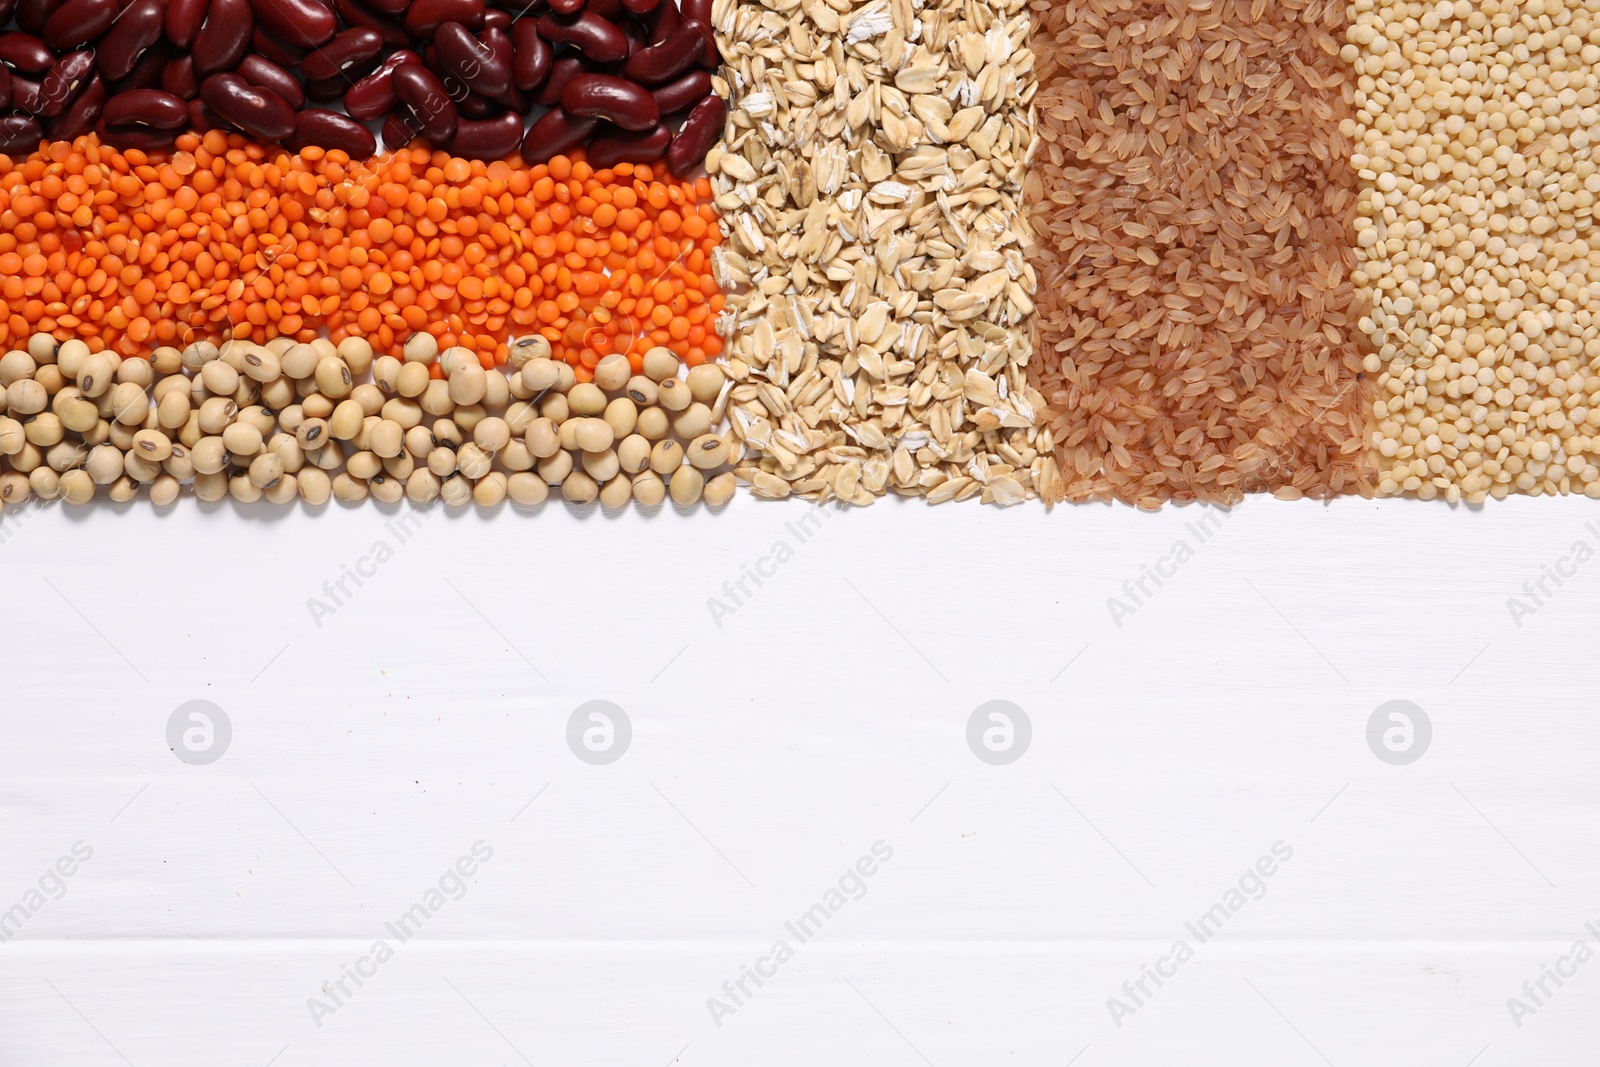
point(700, 131)
point(373, 96)
point(308, 23)
point(65, 80)
point(662, 21)
point(77, 22)
point(327, 90)
point(184, 19)
point(25, 52)
point(400, 129)
point(147, 107)
point(685, 91)
point(533, 55)
point(566, 7)
point(202, 119)
point(5, 89)
point(395, 8)
point(695, 10)
point(496, 18)
point(487, 139)
point(425, 95)
point(700, 11)
point(25, 94)
point(265, 74)
point(285, 55)
point(616, 100)
point(7, 9)
point(474, 106)
point(331, 130)
point(505, 54)
point(562, 71)
point(178, 77)
point(20, 134)
point(33, 14)
point(640, 7)
point(224, 37)
point(606, 9)
point(138, 28)
point(595, 37)
point(613, 146)
point(356, 14)
point(254, 110)
point(710, 58)
point(142, 138)
point(662, 62)
point(147, 73)
point(347, 51)
point(82, 113)
point(637, 34)
point(469, 59)
point(555, 132)
point(425, 16)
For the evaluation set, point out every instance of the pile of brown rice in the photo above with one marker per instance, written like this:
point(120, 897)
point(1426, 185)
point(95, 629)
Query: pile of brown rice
point(1193, 205)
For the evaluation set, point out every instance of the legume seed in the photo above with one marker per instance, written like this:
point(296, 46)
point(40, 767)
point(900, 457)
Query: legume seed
point(686, 485)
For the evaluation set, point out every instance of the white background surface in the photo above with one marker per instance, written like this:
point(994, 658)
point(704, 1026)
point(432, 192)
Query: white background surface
point(826, 714)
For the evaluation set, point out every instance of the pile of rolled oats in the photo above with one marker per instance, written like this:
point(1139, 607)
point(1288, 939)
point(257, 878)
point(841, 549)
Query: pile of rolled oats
point(870, 184)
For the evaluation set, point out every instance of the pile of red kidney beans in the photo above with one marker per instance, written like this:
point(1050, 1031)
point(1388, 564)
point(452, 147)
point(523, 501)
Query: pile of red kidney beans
point(628, 80)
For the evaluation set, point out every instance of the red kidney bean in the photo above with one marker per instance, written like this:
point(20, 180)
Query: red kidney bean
point(606, 9)
point(566, 7)
point(5, 89)
point(373, 96)
point(25, 52)
point(287, 56)
point(183, 21)
point(662, 21)
point(555, 132)
point(496, 18)
point(638, 36)
point(65, 80)
point(695, 10)
point(178, 77)
point(595, 37)
point(700, 131)
point(506, 54)
point(331, 130)
point(77, 22)
point(423, 93)
point(82, 113)
point(356, 14)
point(613, 146)
point(348, 50)
point(223, 37)
point(7, 9)
point(469, 59)
point(263, 73)
point(254, 110)
point(425, 16)
point(616, 100)
point(562, 71)
point(395, 8)
point(640, 7)
point(400, 128)
point(682, 92)
point(20, 134)
point(326, 90)
point(487, 139)
point(147, 107)
point(25, 94)
point(138, 28)
point(33, 14)
point(202, 119)
point(533, 55)
point(147, 73)
point(142, 138)
point(662, 62)
point(308, 23)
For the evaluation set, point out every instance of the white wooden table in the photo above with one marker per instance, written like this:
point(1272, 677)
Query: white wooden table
point(273, 905)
